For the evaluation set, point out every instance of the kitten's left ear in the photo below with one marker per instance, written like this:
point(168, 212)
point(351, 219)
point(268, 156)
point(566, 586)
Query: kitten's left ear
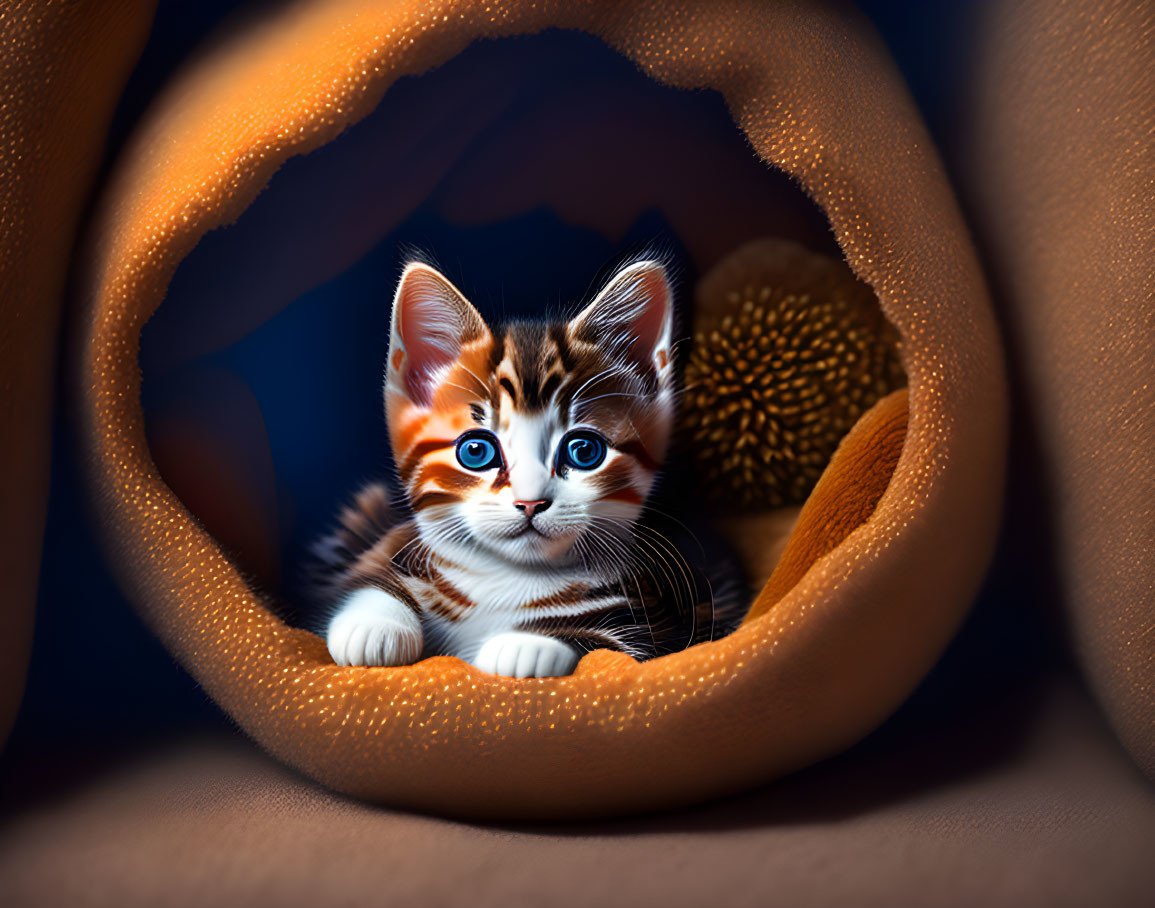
point(633, 313)
point(432, 320)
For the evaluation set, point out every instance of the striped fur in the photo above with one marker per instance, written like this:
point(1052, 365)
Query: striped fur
point(464, 553)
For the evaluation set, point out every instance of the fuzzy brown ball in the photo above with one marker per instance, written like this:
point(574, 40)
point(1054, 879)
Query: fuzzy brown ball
point(778, 373)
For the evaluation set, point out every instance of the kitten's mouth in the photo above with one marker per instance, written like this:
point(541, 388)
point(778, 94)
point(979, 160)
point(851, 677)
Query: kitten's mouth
point(529, 529)
point(538, 543)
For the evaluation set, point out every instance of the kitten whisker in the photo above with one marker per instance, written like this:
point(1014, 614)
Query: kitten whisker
point(481, 384)
point(453, 384)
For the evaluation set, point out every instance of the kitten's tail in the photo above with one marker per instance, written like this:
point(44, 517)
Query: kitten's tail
point(360, 526)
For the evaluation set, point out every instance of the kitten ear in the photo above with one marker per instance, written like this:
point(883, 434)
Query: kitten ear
point(431, 322)
point(632, 314)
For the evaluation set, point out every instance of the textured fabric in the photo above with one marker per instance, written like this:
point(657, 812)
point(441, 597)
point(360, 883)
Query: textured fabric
point(844, 498)
point(1023, 802)
point(1063, 119)
point(50, 145)
point(831, 660)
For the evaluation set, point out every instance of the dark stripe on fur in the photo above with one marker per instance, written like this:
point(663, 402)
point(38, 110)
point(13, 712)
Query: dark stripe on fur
point(433, 499)
point(419, 452)
point(638, 451)
point(447, 477)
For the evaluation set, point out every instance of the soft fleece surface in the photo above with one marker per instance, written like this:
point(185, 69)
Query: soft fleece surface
point(1060, 165)
point(1020, 802)
point(819, 670)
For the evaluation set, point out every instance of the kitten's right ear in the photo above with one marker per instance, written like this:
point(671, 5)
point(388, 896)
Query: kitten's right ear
point(431, 322)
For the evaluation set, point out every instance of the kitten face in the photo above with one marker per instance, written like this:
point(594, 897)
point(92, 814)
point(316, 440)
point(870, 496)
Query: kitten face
point(538, 443)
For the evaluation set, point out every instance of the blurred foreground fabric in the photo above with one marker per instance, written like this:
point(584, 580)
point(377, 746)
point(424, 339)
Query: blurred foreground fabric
point(1022, 802)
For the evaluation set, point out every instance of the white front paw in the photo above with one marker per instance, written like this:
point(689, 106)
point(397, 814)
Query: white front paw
point(518, 654)
point(373, 627)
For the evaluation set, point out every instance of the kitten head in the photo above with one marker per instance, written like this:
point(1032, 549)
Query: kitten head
point(537, 442)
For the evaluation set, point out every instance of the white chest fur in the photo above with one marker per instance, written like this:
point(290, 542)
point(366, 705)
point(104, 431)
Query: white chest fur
point(501, 596)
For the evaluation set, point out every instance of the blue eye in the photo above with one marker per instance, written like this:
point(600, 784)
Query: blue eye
point(582, 450)
point(478, 451)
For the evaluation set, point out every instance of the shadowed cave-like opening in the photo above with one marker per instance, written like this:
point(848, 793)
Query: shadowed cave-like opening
point(527, 169)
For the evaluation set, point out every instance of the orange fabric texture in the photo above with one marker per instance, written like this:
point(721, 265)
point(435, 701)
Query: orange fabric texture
point(1064, 125)
point(817, 97)
point(51, 139)
point(844, 497)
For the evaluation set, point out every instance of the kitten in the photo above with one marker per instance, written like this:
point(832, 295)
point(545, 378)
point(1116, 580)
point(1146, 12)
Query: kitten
point(526, 457)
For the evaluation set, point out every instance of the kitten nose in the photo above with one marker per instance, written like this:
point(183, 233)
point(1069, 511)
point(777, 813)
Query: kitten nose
point(532, 507)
